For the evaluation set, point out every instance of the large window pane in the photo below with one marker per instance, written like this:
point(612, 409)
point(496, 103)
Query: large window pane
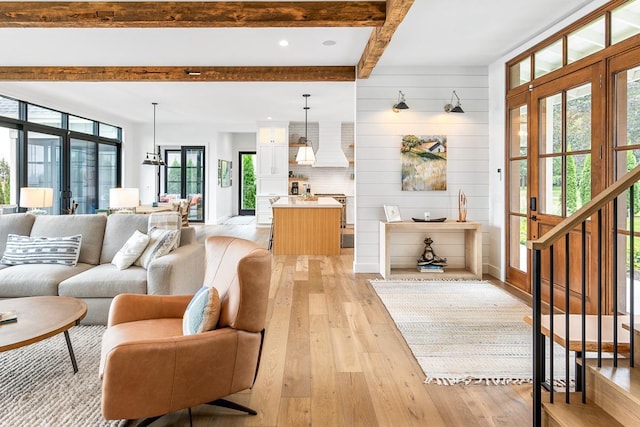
point(520, 73)
point(551, 124)
point(84, 175)
point(548, 59)
point(518, 186)
point(586, 40)
point(44, 165)
point(578, 181)
point(44, 116)
point(518, 243)
point(579, 118)
point(9, 108)
point(625, 21)
point(195, 182)
point(518, 126)
point(107, 172)
point(8, 169)
point(627, 107)
point(79, 124)
point(551, 185)
point(173, 171)
point(108, 131)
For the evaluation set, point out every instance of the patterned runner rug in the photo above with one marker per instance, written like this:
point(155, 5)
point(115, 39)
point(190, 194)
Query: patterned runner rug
point(461, 331)
point(38, 386)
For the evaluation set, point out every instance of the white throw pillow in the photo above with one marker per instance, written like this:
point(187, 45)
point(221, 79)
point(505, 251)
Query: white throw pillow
point(131, 251)
point(202, 313)
point(161, 242)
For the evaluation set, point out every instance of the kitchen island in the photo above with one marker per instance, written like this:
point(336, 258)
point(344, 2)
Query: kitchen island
point(306, 227)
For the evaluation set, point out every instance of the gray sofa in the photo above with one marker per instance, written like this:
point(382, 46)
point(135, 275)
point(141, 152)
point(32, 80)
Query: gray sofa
point(94, 279)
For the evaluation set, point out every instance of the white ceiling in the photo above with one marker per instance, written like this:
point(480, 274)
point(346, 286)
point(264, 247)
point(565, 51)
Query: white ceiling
point(434, 32)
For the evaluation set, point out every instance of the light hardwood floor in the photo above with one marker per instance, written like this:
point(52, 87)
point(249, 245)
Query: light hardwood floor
point(333, 357)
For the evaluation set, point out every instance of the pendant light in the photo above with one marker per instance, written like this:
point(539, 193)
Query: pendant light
point(153, 158)
point(305, 154)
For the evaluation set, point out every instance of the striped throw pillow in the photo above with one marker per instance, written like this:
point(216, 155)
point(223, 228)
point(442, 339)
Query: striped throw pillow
point(161, 242)
point(42, 250)
point(166, 221)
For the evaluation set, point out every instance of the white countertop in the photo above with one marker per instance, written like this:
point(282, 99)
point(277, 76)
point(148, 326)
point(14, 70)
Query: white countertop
point(294, 202)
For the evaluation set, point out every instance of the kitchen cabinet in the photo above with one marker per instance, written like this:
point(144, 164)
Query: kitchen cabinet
point(272, 160)
point(273, 134)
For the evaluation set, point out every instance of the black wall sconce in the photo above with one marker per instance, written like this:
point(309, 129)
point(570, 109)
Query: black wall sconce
point(449, 108)
point(401, 104)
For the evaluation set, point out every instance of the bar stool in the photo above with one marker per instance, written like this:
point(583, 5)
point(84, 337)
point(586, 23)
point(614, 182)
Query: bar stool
point(272, 200)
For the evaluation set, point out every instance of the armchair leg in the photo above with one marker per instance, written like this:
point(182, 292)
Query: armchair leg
point(232, 405)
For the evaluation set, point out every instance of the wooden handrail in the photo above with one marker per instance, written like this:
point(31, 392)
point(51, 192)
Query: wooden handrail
point(582, 214)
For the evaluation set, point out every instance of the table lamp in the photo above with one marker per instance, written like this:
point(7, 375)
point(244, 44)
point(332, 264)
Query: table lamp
point(35, 199)
point(123, 200)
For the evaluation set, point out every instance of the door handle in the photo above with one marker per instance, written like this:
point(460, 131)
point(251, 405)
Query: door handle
point(533, 218)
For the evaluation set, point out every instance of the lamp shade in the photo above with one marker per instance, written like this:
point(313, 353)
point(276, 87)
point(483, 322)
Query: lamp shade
point(123, 198)
point(36, 197)
point(305, 156)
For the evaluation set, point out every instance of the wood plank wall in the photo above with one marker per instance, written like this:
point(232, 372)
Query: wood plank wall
point(378, 139)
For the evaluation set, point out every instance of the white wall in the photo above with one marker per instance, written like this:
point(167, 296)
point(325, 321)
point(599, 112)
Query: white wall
point(378, 138)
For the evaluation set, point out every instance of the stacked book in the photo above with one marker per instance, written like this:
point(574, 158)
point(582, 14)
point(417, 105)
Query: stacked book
point(431, 268)
point(8, 317)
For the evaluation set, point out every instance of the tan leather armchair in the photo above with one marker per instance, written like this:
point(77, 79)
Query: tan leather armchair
point(150, 369)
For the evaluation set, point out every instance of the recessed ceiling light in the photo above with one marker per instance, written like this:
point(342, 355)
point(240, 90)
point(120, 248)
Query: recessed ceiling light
point(269, 118)
point(329, 42)
point(283, 43)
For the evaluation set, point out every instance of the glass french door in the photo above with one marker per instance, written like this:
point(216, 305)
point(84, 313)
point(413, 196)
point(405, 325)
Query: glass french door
point(247, 187)
point(566, 168)
point(184, 178)
point(517, 227)
point(45, 166)
point(625, 70)
point(84, 175)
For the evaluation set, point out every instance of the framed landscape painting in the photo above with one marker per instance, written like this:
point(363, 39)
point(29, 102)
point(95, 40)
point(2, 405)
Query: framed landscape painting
point(225, 173)
point(424, 163)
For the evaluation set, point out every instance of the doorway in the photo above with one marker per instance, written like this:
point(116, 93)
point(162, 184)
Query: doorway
point(555, 165)
point(185, 178)
point(247, 187)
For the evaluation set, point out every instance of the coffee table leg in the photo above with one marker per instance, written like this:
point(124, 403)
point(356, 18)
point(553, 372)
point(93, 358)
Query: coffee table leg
point(73, 357)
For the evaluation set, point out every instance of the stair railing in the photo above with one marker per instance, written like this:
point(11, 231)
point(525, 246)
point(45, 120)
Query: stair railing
point(595, 206)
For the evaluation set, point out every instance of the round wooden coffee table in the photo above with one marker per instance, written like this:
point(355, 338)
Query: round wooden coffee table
point(40, 318)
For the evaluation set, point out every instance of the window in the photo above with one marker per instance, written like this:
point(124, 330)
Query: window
point(586, 40)
point(625, 21)
point(59, 150)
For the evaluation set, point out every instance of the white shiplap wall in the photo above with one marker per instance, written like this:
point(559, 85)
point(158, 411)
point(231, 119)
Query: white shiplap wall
point(378, 136)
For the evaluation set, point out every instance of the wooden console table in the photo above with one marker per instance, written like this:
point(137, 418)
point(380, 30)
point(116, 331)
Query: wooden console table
point(472, 251)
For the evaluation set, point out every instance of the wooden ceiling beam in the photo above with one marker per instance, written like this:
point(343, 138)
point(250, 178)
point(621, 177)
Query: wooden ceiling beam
point(380, 37)
point(207, 14)
point(180, 74)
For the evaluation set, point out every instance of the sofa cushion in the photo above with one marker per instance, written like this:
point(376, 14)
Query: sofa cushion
point(132, 249)
point(118, 230)
point(161, 242)
point(42, 250)
point(19, 223)
point(105, 281)
point(90, 226)
point(36, 279)
point(203, 312)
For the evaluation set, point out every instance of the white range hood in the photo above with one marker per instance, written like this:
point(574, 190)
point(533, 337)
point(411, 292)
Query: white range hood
point(330, 154)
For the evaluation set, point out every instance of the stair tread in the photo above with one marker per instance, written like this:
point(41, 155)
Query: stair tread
point(577, 414)
point(623, 377)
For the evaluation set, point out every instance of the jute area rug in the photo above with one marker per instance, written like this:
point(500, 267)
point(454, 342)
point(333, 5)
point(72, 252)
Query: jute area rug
point(38, 386)
point(461, 331)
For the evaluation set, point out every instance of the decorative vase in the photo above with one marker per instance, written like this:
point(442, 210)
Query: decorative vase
point(462, 206)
